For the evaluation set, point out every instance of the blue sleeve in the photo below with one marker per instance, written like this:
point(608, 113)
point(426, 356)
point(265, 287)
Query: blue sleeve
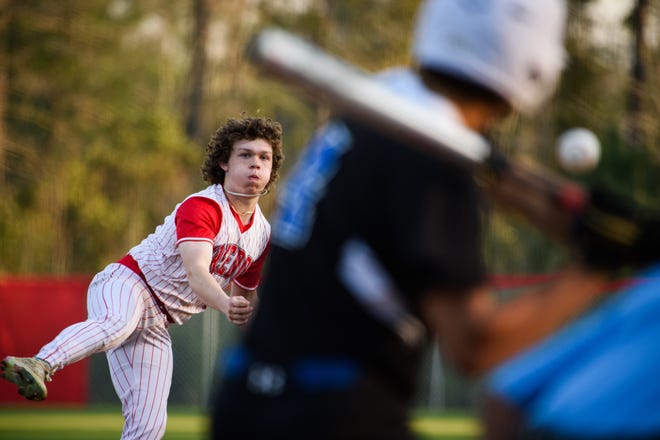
point(599, 374)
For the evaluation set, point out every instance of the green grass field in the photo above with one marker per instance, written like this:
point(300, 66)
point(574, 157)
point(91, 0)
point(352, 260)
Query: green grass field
point(106, 423)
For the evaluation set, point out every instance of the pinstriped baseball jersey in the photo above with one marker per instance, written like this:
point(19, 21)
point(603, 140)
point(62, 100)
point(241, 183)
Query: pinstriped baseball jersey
point(236, 249)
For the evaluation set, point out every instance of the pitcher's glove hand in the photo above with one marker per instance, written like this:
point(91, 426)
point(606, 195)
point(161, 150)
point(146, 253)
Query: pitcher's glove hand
point(613, 232)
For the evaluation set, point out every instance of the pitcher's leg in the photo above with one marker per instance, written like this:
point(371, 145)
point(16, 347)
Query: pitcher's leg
point(114, 307)
point(141, 370)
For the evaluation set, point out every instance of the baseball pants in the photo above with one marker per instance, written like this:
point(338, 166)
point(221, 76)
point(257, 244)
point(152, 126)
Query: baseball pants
point(124, 322)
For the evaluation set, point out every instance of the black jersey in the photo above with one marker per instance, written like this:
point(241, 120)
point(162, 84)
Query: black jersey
point(363, 215)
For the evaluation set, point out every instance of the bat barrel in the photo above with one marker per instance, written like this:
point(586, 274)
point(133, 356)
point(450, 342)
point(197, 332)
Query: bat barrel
point(356, 93)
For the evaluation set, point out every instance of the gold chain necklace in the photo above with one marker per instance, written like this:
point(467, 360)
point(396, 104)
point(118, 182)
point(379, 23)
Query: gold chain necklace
point(241, 213)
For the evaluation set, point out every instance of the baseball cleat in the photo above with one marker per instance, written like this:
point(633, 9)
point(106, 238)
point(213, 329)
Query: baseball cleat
point(29, 374)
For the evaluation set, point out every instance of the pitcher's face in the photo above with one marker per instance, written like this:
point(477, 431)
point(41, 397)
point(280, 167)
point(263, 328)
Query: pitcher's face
point(249, 166)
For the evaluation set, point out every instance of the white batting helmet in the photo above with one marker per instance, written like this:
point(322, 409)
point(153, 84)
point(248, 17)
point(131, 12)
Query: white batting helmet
point(513, 47)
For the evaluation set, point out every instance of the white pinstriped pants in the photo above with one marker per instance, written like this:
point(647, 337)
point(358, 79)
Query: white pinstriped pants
point(124, 321)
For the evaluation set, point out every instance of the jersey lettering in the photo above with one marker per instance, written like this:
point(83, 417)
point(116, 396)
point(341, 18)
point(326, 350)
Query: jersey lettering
point(293, 223)
point(229, 261)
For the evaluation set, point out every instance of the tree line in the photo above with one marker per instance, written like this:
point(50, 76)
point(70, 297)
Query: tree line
point(106, 107)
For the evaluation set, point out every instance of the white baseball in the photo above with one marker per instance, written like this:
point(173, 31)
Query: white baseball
point(578, 150)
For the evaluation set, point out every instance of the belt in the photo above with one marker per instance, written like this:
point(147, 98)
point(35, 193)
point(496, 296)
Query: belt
point(313, 374)
point(130, 263)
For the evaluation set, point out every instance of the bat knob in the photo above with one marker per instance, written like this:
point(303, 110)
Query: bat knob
point(573, 198)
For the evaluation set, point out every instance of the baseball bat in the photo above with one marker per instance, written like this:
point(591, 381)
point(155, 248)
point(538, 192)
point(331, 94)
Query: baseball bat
point(545, 199)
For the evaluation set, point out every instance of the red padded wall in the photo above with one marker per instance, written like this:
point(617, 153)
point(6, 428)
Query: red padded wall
point(33, 310)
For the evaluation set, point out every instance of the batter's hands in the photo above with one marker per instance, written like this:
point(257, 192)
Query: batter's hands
point(615, 232)
point(239, 310)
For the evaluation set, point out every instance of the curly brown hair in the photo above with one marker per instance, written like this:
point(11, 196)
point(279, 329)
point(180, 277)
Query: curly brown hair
point(220, 146)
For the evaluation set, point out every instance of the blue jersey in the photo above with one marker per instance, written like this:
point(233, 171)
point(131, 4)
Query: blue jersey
point(598, 377)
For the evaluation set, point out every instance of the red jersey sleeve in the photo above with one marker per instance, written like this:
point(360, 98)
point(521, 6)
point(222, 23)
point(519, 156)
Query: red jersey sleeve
point(198, 219)
point(250, 279)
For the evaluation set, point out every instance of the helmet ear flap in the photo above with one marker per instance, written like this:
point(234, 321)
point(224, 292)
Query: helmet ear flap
point(514, 48)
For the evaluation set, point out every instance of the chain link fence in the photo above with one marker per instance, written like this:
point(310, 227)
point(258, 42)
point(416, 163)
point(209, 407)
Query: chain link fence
point(198, 343)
